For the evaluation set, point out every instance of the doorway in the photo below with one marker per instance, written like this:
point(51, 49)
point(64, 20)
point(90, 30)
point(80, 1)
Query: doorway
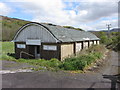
point(37, 52)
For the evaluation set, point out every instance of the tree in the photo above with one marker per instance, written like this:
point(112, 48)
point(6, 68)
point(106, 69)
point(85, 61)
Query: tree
point(104, 38)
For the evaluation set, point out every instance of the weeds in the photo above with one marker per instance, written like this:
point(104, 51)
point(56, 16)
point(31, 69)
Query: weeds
point(84, 59)
point(78, 62)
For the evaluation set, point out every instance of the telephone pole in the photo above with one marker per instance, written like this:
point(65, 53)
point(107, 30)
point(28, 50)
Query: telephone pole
point(108, 26)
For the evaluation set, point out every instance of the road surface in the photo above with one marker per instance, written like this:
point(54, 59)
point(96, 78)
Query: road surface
point(60, 79)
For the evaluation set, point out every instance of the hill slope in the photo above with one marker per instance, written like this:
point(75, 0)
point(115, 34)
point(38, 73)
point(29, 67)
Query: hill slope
point(10, 26)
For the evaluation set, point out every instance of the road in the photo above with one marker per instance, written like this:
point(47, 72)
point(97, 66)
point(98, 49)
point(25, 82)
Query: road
point(60, 79)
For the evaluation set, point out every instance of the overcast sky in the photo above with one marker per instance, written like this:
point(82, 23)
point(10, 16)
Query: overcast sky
point(85, 14)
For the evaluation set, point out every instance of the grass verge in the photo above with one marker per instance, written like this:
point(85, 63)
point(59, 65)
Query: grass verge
point(79, 62)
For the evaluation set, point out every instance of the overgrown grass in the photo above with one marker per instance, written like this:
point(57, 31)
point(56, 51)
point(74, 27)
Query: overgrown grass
point(84, 59)
point(78, 62)
point(52, 64)
point(7, 47)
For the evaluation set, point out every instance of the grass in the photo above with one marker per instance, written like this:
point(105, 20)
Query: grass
point(79, 62)
point(7, 47)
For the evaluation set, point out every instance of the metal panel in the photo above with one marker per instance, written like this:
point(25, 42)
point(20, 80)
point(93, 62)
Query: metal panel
point(35, 32)
point(33, 42)
point(70, 35)
point(95, 43)
point(85, 45)
point(66, 50)
point(98, 42)
point(78, 47)
point(52, 33)
point(91, 42)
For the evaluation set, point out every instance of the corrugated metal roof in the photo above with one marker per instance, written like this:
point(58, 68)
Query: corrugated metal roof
point(70, 35)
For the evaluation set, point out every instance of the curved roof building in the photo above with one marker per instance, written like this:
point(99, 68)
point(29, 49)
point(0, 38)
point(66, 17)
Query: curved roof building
point(39, 40)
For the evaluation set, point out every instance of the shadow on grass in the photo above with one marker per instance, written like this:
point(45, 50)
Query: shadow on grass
point(11, 54)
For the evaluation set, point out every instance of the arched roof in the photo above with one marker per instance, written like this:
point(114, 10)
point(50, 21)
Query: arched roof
point(33, 23)
point(63, 34)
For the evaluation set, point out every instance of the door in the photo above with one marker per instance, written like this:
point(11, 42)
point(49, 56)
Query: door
point(37, 52)
point(31, 51)
point(34, 50)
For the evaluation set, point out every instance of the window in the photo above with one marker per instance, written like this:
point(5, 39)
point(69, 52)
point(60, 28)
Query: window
point(49, 47)
point(21, 46)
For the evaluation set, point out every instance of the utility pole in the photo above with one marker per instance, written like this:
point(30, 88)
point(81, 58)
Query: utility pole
point(108, 26)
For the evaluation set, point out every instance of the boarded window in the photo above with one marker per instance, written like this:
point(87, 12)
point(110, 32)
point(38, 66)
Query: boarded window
point(49, 47)
point(98, 42)
point(21, 46)
point(78, 47)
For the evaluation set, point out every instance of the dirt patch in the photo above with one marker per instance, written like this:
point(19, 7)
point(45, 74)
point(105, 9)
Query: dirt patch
point(95, 67)
point(11, 65)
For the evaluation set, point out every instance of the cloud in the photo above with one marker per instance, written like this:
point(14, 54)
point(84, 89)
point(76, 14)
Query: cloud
point(4, 9)
point(97, 10)
point(102, 24)
point(45, 10)
point(91, 0)
point(84, 14)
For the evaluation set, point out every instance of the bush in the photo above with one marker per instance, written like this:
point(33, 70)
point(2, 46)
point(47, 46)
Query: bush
point(81, 61)
point(96, 48)
point(78, 62)
point(54, 63)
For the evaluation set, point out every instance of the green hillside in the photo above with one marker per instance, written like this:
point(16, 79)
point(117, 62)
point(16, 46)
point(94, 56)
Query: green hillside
point(10, 26)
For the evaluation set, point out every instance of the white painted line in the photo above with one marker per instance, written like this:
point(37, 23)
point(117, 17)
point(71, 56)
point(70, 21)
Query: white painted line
point(14, 71)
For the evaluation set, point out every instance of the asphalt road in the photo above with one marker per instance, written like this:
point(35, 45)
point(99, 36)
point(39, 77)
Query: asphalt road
point(60, 79)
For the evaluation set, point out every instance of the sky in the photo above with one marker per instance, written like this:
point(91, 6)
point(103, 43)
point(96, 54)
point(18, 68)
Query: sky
point(84, 14)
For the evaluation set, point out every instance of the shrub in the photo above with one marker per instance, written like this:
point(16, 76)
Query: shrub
point(68, 66)
point(54, 62)
point(81, 61)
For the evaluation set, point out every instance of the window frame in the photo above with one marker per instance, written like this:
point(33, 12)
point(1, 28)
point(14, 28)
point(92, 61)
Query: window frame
point(50, 47)
point(21, 46)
